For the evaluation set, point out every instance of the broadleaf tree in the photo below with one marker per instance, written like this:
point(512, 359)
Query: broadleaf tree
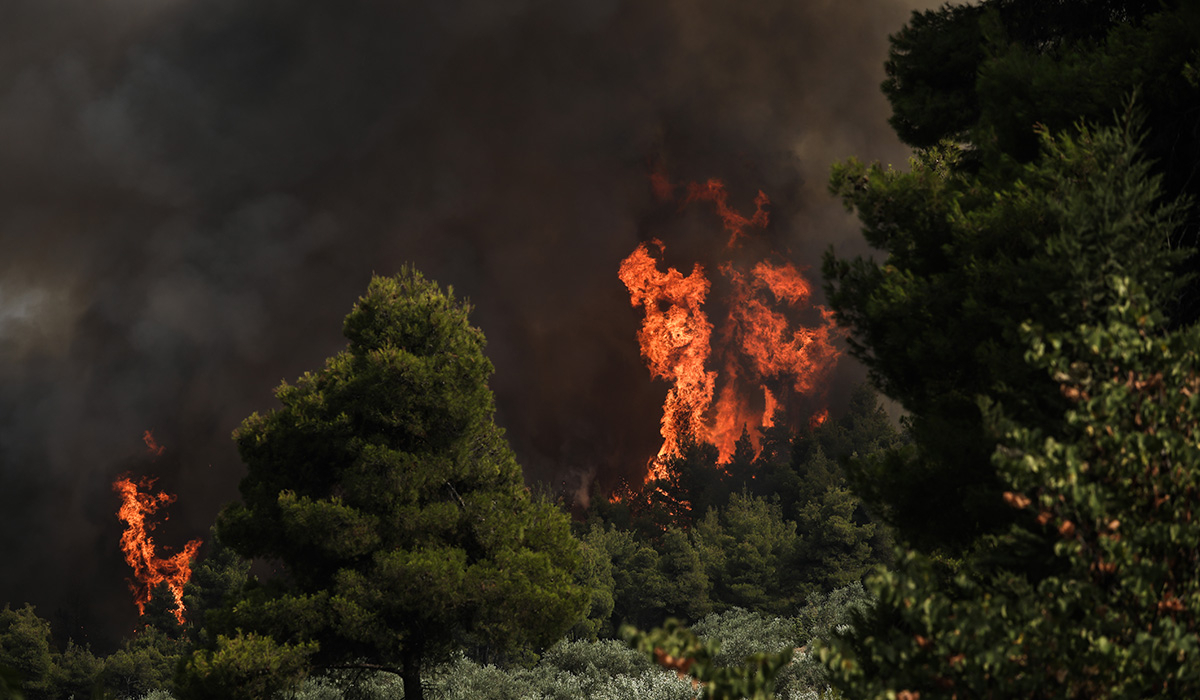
point(1116, 612)
point(393, 506)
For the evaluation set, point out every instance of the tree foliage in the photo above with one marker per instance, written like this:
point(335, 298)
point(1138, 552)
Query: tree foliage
point(1020, 316)
point(676, 647)
point(392, 502)
point(747, 548)
point(970, 258)
point(1116, 612)
point(32, 667)
point(25, 648)
point(244, 667)
point(761, 532)
point(986, 74)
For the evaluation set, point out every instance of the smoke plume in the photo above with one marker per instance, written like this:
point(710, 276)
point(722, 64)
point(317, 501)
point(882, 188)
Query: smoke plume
point(192, 195)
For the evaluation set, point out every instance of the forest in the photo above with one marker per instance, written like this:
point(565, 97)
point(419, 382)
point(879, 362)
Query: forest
point(1027, 529)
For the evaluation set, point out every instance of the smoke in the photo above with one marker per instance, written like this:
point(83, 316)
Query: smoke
point(192, 195)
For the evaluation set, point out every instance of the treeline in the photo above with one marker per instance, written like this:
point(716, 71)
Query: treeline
point(603, 669)
point(761, 533)
point(748, 553)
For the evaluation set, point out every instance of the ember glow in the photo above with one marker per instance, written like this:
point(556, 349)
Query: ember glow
point(739, 375)
point(138, 503)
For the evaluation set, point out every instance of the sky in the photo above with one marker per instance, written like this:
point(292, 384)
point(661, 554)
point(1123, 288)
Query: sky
point(194, 193)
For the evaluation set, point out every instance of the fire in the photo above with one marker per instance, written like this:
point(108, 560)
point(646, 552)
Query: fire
point(714, 191)
point(148, 569)
point(152, 444)
point(738, 375)
point(675, 340)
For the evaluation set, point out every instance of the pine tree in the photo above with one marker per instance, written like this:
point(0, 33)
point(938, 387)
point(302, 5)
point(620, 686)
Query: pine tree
point(972, 257)
point(393, 504)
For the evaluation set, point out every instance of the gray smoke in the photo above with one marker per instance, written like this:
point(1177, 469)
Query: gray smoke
point(192, 195)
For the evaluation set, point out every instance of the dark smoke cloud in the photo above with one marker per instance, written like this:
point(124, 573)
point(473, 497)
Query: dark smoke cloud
point(192, 194)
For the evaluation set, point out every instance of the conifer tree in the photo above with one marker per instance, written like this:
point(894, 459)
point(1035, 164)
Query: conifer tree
point(972, 257)
point(1085, 583)
point(393, 504)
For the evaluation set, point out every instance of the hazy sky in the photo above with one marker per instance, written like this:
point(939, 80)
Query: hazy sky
point(193, 194)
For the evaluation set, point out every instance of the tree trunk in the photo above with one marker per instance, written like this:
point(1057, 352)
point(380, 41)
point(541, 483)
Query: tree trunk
point(412, 673)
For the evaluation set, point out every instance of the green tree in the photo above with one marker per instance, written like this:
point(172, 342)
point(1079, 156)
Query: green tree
point(985, 74)
point(1019, 316)
point(393, 504)
point(25, 648)
point(78, 673)
point(244, 667)
point(145, 662)
point(1115, 487)
point(746, 547)
point(638, 582)
point(834, 549)
point(688, 590)
point(596, 575)
point(218, 576)
point(970, 258)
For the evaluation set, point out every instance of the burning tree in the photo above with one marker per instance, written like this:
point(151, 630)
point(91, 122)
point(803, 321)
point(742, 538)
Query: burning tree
point(732, 376)
point(138, 504)
point(393, 503)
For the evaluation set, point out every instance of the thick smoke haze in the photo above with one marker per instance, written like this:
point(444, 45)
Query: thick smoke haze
point(193, 194)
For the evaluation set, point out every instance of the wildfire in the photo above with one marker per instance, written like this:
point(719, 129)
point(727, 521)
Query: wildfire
point(137, 544)
point(763, 352)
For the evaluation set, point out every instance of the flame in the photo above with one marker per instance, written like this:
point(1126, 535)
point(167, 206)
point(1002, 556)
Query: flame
point(675, 340)
point(764, 354)
point(148, 569)
point(714, 191)
point(152, 444)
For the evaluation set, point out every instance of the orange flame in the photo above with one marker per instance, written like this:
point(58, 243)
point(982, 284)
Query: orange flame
point(675, 341)
point(148, 569)
point(152, 444)
point(714, 191)
point(760, 347)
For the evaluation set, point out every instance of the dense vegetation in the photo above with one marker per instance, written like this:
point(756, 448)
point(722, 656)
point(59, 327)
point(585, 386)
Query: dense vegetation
point(1036, 315)
point(1032, 533)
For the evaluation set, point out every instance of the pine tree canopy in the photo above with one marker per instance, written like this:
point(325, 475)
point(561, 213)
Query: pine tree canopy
point(392, 504)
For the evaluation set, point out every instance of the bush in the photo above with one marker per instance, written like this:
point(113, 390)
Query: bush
point(602, 659)
point(743, 632)
point(571, 670)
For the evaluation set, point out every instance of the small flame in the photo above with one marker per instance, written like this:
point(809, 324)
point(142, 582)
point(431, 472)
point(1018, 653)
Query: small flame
point(148, 569)
point(759, 346)
point(151, 444)
point(714, 191)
